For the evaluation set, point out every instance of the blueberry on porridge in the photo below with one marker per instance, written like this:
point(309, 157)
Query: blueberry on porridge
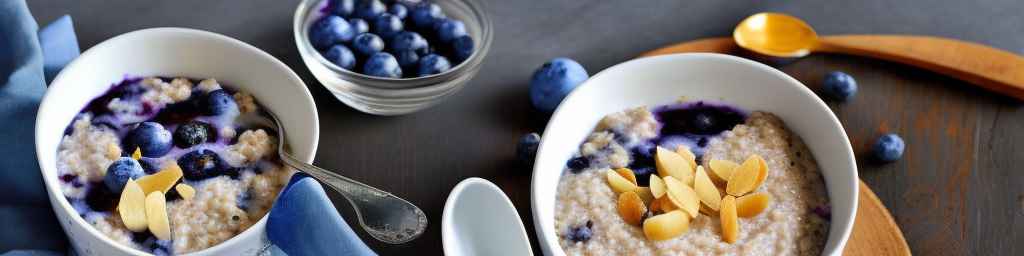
point(166, 165)
point(694, 178)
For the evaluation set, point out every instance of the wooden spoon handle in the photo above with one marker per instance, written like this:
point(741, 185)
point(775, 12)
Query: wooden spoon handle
point(997, 70)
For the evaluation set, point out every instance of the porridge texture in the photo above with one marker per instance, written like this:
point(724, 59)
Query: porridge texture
point(789, 226)
point(232, 167)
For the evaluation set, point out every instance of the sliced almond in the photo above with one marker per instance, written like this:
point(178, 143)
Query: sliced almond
point(722, 169)
point(671, 164)
point(762, 171)
point(186, 191)
point(618, 183)
point(132, 207)
point(667, 205)
point(706, 190)
point(753, 204)
point(161, 181)
point(744, 178)
point(685, 152)
point(682, 196)
point(657, 186)
point(627, 173)
point(137, 154)
point(666, 226)
point(631, 208)
point(645, 194)
point(708, 211)
point(730, 222)
point(156, 215)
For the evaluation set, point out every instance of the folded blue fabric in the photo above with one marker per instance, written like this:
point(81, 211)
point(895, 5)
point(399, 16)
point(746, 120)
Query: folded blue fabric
point(304, 222)
point(25, 213)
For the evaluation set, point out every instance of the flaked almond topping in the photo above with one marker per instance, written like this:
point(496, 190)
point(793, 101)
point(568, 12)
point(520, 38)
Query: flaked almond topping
point(682, 196)
point(666, 226)
point(744, 178)
point(722, 169)
point(762, 174)
point(156, 215)
point(627, 173)
point(132, 207)
point(657, 186)
point(706, 190)
point(137, 154)
point(186, 191)
point(685, 152)
point(618, 183)
point(631, 208)
point(753, 204)
point(730, 222)
point(645, 194)
point(161, 181)
point(671, 164)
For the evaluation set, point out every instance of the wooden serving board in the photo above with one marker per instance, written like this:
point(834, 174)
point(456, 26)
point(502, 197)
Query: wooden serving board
point(874, 231)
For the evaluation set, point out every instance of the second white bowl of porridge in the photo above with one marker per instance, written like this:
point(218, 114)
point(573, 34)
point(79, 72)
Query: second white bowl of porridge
point(693, 154)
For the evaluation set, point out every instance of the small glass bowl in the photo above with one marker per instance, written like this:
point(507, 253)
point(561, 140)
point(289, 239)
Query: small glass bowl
point(395, 96)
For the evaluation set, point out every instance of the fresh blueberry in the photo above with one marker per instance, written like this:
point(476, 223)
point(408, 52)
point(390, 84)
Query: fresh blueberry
point(150, 165)
point(462, 48)
point(191, 134)
point(382, 64)
point(581, 233)
point(449, 29)
point(367, 44)
point(407, 59)
point(409, 40)
point(330, 30)
point(424, 15)
point(344, 8)
point(577, 164)
point(369, 9)
point(359, 25)
point(201, 164)
point(526, 151)
point(553, 81)
point(840, 86)
point(219, 102)
point(398, 10)
point(387, 26)
point(341, 56)
point(433, 64)
point(120, 171)
point(149, 137)
point(889, 148)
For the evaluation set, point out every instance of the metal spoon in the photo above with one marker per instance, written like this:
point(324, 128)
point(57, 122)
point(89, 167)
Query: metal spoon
point(384, 216)
point(780, 35)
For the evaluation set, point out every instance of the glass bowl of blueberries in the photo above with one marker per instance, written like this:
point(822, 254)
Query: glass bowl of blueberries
point(392, 57)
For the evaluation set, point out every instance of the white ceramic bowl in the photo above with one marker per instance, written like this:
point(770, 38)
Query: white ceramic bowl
point(169, 52)
point(478, 219)
point(663, 79)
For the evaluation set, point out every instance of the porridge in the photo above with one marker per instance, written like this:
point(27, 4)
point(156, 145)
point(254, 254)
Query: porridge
point(167, 165)
point(695, 178)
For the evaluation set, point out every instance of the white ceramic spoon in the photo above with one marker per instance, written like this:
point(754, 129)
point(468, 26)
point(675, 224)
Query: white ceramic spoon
point(479, 219)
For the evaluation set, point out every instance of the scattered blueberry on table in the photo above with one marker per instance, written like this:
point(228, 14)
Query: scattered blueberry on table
point(889, 148)
point(418, 36)
point(526, 150)
point(553, 81)
point(120, 171)
point(839, 85)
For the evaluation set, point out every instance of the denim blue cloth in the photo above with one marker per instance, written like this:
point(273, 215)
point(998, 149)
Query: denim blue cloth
point(302, 222)
point(26, 217)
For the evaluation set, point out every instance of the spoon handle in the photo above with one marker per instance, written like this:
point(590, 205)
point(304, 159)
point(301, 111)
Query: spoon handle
point(993, 69)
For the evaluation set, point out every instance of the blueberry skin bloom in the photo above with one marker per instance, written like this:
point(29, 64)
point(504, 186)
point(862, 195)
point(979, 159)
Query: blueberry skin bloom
point(889, 148)
point(424, 15)
point(367, 44)
point(150, 138)
point(191, 134)
point(330, 30)
point(220, 102)
point(119, 171)
point(462, 48)
point(382, 64)
point(449, 29)
point(369, 9)
point(344, 8)
point(840, 86)
point(407, 59)
point(359, 25)
point(398, 10)
point(553, 81)
point(387, 26)
point(433, 64)
point(410, 41)
point(341, 56)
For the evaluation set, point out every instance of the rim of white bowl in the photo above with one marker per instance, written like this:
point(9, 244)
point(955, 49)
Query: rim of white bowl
point(45, 107)
point(447, 236)
point(547, 235)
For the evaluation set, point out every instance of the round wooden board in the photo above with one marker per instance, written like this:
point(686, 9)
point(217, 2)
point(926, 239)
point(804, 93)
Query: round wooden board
point(874, 231)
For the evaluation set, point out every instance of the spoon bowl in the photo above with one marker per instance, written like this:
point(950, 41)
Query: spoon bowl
point(776, 34)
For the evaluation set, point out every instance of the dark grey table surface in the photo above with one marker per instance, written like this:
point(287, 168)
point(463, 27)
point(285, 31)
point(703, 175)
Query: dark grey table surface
point(957, 191)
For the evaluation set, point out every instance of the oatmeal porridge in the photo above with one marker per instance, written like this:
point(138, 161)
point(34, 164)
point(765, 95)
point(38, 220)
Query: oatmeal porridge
point(166, 165)
point(694, 178)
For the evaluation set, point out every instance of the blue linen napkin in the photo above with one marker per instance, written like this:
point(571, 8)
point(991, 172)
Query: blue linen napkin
point(302, 222)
